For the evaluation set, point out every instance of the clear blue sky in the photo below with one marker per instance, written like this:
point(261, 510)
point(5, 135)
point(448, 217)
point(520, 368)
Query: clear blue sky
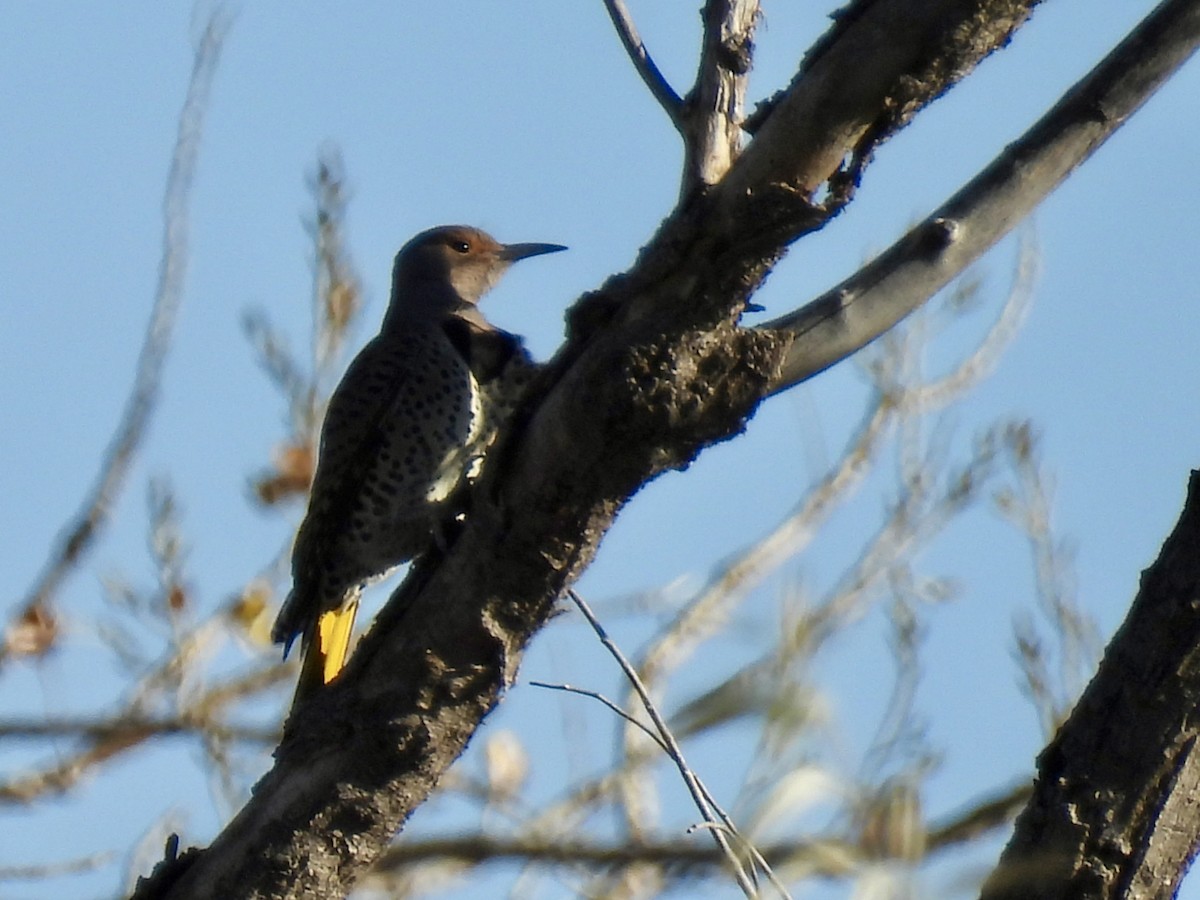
point(526, 119)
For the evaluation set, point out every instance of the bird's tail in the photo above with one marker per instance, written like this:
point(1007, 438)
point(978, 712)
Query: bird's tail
point(326, 644)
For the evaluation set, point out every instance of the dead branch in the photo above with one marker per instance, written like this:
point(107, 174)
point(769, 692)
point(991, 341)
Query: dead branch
point(655, 369)
point(130, 728)
point(709, 810)
point(654, 79)
point(903, 277)
point(715, 105)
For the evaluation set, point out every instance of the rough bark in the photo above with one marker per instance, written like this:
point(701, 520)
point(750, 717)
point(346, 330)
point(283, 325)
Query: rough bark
point(1114, 812)
point(900, 279)
point(654, 370)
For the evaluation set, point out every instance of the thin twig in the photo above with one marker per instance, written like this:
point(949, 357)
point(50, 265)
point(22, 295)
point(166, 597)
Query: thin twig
point(683, 857)
point(988, 351)
point(132, 726)
point(650, 74)
point(827, 858)
point(725, 824)
point(980, 818)
point(122, 726)
point(673, 749)
point(1028, 506)
point(735, 577)
point(40, 872)
point(61, 777)
point(77, 536)
point(595, 695)
point(908, 273)
point(254, 682)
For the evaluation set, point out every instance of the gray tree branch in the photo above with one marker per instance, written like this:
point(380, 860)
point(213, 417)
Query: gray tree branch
point(713, 109)
point(643, 63)
point(654, 370)
point(903, 277)
point(1113, 809)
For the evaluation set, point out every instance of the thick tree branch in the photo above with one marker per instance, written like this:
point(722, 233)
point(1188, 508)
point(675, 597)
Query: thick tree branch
point(1113, 809)
point(881, 63)
point(655, 369)
point(922, 262)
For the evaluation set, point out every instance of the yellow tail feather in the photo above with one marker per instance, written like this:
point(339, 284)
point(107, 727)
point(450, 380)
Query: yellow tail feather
point(326, 649)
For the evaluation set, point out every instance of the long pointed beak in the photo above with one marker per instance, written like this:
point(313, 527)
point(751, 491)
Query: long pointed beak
point(513, 252)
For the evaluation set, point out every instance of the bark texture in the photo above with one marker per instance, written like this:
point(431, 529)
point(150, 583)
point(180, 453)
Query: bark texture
point(655, 369)
point(1114, 812)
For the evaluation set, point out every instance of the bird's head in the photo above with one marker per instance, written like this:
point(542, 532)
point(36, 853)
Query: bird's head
point(466, 261)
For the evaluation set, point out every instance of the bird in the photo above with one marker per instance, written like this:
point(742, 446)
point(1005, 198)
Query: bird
point(406, 426)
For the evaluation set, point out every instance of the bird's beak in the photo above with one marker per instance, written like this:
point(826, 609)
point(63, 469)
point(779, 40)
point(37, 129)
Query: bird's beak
point(513, 252)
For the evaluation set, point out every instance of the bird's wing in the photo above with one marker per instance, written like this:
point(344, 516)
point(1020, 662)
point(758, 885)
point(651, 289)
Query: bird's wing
point(352, 421)
point(358, 406)
point(391, 397)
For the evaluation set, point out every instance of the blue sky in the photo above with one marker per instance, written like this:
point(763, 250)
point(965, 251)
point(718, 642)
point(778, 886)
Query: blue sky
point(526, 119)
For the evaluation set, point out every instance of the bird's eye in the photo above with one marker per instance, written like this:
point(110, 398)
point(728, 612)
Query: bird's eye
point(461, 246)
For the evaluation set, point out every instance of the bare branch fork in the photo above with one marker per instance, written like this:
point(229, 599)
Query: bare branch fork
point(715, 818)
point(130, 726)
point(655, 369)
point(901, 278)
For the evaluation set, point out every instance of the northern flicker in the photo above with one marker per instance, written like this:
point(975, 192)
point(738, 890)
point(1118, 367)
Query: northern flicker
point(407, 425)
